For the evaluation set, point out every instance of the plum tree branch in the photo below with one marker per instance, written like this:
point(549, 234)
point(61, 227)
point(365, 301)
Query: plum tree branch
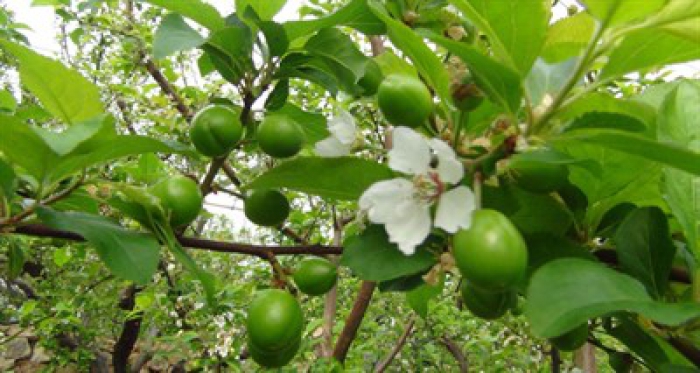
point(384, 364)
point(353, 321)
point(38, 230)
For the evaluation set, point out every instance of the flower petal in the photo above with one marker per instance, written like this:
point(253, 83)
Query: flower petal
point(381, 199)
point(343, 127)
point(449, 168)
point(331, 147)
point(410, 153)
point(412, 226)
point(455, 209)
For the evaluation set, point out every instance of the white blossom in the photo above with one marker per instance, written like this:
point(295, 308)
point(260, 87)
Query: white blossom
point(403, 205)
point(342, 128)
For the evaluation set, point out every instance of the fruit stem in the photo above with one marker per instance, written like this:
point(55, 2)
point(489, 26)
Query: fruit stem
point(477, 187)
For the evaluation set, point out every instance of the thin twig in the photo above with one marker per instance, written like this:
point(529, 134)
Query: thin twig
point(384, 364)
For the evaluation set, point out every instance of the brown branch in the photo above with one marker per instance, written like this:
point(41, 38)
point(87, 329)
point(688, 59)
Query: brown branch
point(687, 348)
point(38, 230)
point(456, 352)
point(165, 86)
point(214, 167)
point(384, 364)
point(130, 331)
point(353, 321)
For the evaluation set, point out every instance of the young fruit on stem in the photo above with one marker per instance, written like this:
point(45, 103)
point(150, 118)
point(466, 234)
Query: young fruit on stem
point(266, 207)
point(180, 198)
point(274, 324)
point(280, 137)
point(404, 100)
point(315, 276)
point(491, 254)
point(215, 130)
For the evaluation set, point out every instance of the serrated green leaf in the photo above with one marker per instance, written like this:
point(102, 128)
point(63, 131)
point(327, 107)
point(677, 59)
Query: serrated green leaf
point(621, 11)
point(130, 255)
point(501, 84)
point(648, 48)
point(372, 257)
point(567, 37)
point(63, 91)
point(645, 249)
point(196, 10)
point(520, 26)
point(664, 153)
point(623, 178)
point(355, 14)
point(343, 178)
point(174, 35)
point(567, 292)
point(230, 51)
point(679, 122)
point(332, 44)
point(266, 9)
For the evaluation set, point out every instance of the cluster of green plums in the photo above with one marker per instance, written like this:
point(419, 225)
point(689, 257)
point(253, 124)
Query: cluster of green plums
point(491, 254)
point(275, 321)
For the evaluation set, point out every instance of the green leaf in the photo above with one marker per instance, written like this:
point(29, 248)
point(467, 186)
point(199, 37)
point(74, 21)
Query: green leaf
point(356, 14)
point(15, 258)
point(567, 292)
point(230, 51)
point(679, 122)
point(332, 44)
point(539, 213)
point(63, 92)
point(19, 140)
point(567, 37)
point(622, 11)
point(372, 257)
point(313, 124)
point(597, 120)
point(623, 178)
point(419, 298)
point(7, 102)
point(545, 247)
point(501, 84)
point(606, 103)
point(640, 342)
point(174, 35)
point(78, 200)
point(130, 255)
point(390, 63)
point(547, 79)
point(8, 180)
point(648, 48)
point(666, 153)
point(343, 178)
point(518, 27)
point(196, 10)
point(266, 9)
point(645, 249)
point(278, 97)
point(424, 59)
point(681, 18)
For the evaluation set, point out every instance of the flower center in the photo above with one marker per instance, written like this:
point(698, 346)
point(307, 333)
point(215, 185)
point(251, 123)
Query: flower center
point(428, 187)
